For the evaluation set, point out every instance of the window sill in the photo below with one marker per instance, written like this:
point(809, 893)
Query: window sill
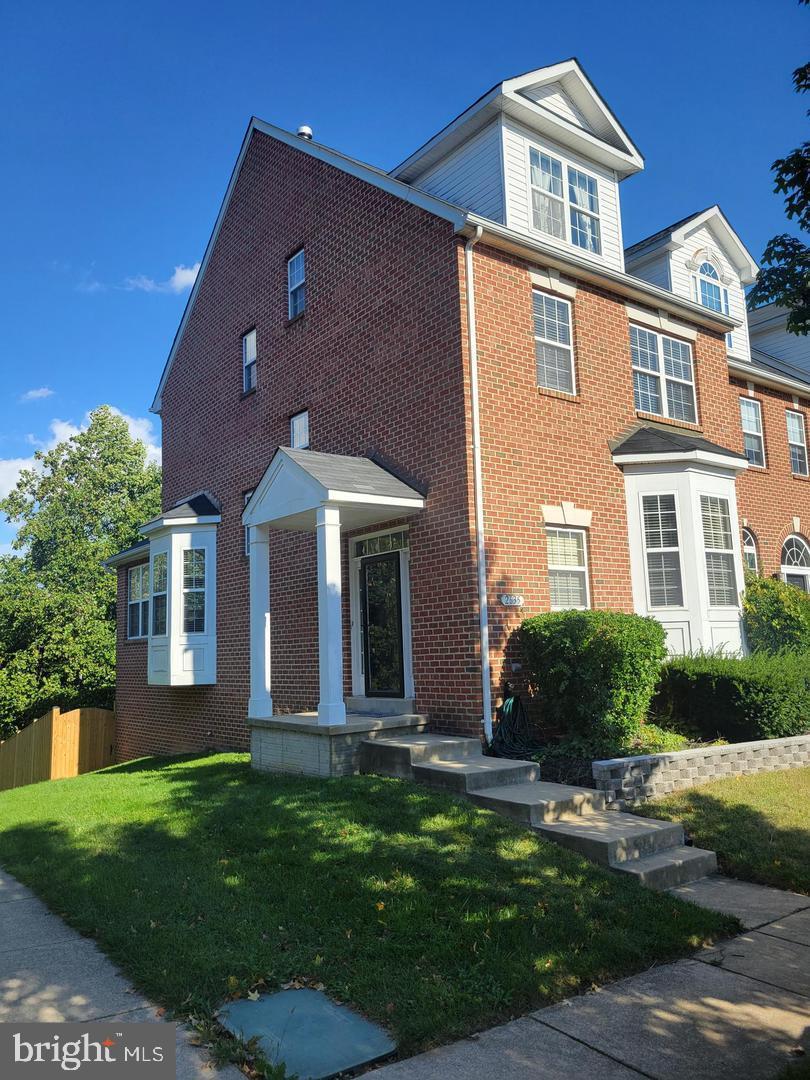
point(136, 640)
point(248, 393)
point(669, 421)
point(798, 476)
point(295, 319)
point(561, 395)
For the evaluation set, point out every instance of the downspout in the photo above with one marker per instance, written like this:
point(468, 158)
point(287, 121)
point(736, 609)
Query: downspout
point(478, 488)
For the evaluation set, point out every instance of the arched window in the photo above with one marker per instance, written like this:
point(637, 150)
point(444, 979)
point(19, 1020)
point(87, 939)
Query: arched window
point(709, 289)
point(707, 270)
point(796, 563)
point(750, 551)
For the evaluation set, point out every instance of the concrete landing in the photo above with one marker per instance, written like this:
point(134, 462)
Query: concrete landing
point(752, 904)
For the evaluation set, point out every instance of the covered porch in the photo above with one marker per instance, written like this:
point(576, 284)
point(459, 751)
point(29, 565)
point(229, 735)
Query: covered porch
point(329, 495)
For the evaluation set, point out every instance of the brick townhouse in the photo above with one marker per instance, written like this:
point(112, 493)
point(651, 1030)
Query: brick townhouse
point(405, 410)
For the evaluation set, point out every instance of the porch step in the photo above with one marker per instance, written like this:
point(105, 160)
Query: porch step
point(380, 706)
point(472, 774)
point(674, 866)
point(538, 802)
point(612, 838)
point(396, 756)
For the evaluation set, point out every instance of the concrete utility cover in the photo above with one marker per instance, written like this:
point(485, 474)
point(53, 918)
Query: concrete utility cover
point(314, 1037)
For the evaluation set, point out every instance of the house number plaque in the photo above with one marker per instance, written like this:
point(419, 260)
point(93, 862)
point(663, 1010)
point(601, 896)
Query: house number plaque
point(511, 599)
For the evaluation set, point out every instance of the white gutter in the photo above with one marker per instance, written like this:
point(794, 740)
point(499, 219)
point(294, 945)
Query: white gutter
point(478, 487)
point(752, 373)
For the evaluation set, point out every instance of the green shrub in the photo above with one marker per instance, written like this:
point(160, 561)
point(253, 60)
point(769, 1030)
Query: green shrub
point(762, 696)
point(776, 615)
point(593, 672)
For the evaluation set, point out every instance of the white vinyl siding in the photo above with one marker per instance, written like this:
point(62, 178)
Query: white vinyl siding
point(662, 551)
point(471, 176)
point(138, 601)
point(518, 142)
point(299, 430)
point(655, 269)
point(567, 569)
point(767, 330)
point(753, 441)
point(797, 443)
point(553, 342)
point(719, 551)
point(663, 375)
point(249, 361)
point(552, 97)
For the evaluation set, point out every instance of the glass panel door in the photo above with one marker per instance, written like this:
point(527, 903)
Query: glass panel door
point(381, 609)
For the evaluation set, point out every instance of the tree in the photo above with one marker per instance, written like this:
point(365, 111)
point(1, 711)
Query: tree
point(80, 503)
point(785, 276)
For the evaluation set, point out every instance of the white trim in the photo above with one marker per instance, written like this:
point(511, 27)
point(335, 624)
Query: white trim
point(734, 605)
point(795, 571)
point(718, 222)
point(153, 527)
point(751, 400)
point(660, 322)
point(582, 568)
point(749, 371)
point(547, 279)
point(566, 514)
point(792, 442)
point(569, 348)
point(684, 604)
point(703, 457)
point(746, 547)
point(660, 374)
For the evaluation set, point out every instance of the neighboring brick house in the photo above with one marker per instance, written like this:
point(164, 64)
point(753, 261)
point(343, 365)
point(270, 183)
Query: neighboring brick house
point(405, 410)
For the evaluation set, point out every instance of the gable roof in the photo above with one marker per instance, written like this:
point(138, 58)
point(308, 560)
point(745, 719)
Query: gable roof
point(651, 440)
point(584, 122)
point(676, 235)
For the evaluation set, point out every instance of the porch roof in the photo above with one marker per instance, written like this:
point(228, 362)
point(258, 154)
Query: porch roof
point(297, 483)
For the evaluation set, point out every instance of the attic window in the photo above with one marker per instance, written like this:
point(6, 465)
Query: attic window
point(555, 199)
point(708, 289)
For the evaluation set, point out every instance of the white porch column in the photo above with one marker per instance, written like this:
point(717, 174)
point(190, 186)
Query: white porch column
point(260, 706)
point(331, 708)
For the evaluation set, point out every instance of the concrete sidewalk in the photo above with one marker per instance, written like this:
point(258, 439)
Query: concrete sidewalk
point(738, 1011)
point(48, 972)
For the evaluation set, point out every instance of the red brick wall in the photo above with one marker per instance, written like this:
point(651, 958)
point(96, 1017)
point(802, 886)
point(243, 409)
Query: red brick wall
point(377, 361)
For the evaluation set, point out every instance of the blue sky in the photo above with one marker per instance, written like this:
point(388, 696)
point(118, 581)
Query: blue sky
point(121, 122)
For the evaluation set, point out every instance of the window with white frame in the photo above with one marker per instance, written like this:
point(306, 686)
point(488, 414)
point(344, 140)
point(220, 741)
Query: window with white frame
point(663, 375)
point(796, 563)
point(583, 196)
point(246, 497)
point(797, 443)
point(296, 284)
point(249, 361)
point(552, 342)
point(719, 549)
point(160, 590)
point(138, 601)
point(751, 420)
point(567, 569)
point(750, 557)
point(548, 201)
point(709, 291)
point(299, 430)
point(662, 551)
point(194, 591)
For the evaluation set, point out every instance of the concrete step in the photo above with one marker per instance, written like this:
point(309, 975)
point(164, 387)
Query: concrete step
point(397, 755)
point(675, 866)
point(611, 838)
point(380, 706)
point(537, 802)
point(472, 774)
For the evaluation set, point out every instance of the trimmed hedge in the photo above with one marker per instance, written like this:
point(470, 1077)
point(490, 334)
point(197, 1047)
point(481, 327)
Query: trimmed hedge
point(594, 672)
point(762, 696)
point(776, 615)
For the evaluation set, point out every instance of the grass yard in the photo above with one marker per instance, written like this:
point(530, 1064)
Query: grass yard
point(203, 880)
point(758, 825)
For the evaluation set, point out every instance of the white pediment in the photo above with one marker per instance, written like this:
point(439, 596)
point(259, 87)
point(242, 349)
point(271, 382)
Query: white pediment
point(553, 97)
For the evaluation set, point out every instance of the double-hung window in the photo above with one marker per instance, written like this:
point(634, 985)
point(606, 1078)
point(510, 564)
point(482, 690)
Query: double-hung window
point(552, 342)
point(797, 443)
point(160, 588)
point(138, 601)
point(249, 361)
point(662, 551)
point(709, 291)
point(583, 196)
point(567, 569)
point(663, 375)
point(299, 430)
point(194, 591)
point(751, 420)
point(296, 284)
point(719, 551)
point(548, 202)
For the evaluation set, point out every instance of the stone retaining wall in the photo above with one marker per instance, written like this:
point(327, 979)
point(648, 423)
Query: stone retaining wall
point(634, 779)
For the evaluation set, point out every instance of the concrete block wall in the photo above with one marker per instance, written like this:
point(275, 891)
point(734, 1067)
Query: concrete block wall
point(635, 779)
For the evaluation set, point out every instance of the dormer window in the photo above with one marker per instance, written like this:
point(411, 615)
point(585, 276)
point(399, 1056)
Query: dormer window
point(709, 291)
point(555, 201)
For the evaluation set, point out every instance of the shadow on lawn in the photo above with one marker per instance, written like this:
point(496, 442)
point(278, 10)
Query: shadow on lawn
point(748, 843)
point(202, 878)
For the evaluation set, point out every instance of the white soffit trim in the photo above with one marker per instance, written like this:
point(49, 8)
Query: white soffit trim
point(701, 457)
point(565, 513)
point(371, 175)
point(758, 375)
point(549, 279)
point(186, 523)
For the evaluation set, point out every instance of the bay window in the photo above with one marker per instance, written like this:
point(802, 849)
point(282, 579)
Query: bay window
point(662, 551)
point(138, 601)
point(719, 550)
point(160, 588)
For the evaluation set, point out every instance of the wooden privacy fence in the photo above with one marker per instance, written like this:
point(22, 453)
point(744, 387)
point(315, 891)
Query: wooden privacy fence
point(58, 745)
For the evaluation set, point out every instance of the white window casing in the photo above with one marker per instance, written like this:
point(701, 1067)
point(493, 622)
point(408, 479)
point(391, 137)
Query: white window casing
point(299, 430)
point(795, 567)
point(797, 442)
point(564, 201)
point(663, 375)
point(753, 436)
point(750, 556)
point(249, 361)
point(553, 342)
point(719, 548)
point(568, 569)
point(160, 593)
point(138, 601)
point(662, 550)
point(296, 284)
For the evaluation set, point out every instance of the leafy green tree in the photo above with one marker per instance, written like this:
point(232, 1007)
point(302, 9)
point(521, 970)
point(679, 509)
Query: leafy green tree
point(80, 503)
point(785, 274)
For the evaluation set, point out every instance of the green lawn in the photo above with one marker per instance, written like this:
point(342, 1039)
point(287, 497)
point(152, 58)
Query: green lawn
point(758, 825)
point(203, 879)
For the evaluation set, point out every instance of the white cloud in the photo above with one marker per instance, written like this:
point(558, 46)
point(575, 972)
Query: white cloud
point(181, 280)
point(10, 469)
point(36, 395)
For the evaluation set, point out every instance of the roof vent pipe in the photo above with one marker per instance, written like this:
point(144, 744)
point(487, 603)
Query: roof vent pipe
point(305, 131)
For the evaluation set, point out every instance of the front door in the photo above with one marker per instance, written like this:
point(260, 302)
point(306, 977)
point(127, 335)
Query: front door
point(381, 616)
